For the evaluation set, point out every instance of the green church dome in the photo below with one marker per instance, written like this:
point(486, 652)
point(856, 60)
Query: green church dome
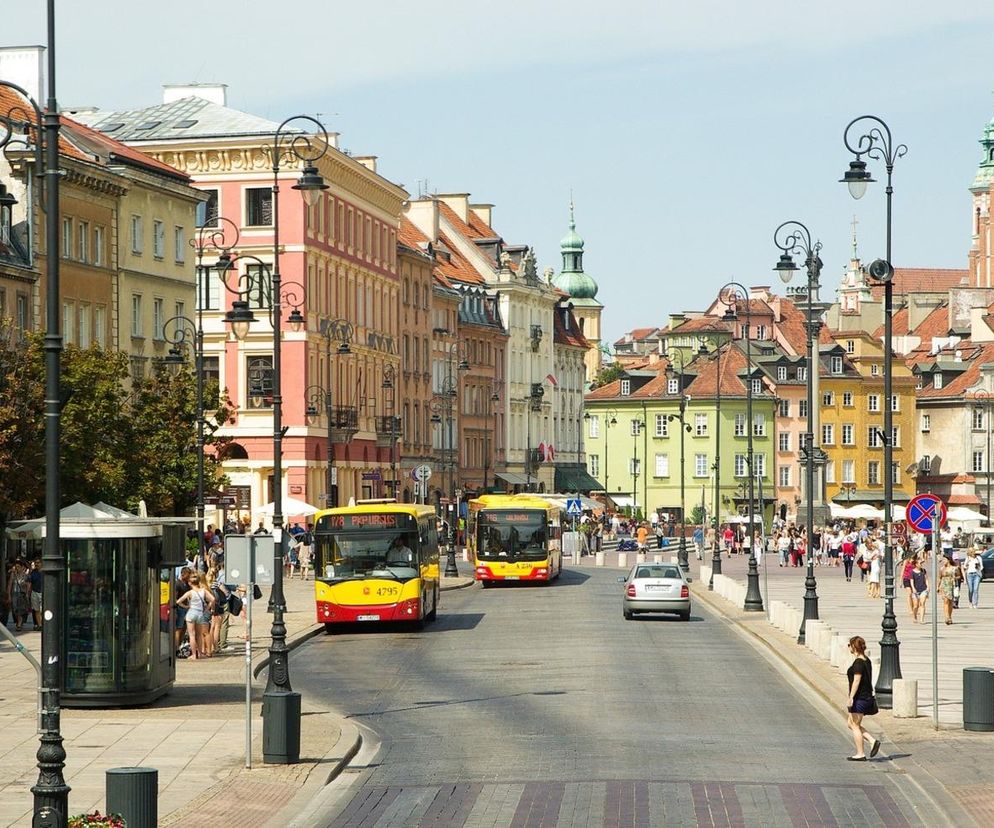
point(572, 279)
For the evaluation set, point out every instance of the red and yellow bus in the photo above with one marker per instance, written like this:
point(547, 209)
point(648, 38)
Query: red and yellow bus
point(515, 538)
point(376, 561)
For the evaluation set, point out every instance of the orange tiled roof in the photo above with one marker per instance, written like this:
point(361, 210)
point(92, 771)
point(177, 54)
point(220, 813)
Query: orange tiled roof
point(792, 326)
point(922, 280)
point(455, 266)
point(974, 357)
point(84, 135)
point(703, 324)
point(461, 227)
point(12, 103)
point(573, 336)
point(481, 230)
point(933, 325)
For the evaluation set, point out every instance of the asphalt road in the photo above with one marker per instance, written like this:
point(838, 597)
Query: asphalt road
point(542, 706)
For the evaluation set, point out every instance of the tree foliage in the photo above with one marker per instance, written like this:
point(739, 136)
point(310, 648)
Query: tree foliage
point(609, 373)
point(121, 442)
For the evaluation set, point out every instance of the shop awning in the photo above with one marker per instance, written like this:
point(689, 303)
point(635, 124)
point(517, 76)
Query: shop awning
point(515, 479)
point(623, 501)
point(575, 478)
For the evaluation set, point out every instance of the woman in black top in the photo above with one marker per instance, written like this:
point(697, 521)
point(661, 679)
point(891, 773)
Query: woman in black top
point(860, 698)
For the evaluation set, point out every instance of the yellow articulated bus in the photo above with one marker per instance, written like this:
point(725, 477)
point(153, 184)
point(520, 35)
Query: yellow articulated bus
point(376, 561)
point(515, 538)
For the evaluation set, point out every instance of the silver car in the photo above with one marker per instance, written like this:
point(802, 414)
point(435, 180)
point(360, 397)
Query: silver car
point(655, 588)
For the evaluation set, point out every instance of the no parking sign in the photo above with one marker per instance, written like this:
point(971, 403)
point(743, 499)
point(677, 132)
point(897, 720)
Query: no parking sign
point(920, 511)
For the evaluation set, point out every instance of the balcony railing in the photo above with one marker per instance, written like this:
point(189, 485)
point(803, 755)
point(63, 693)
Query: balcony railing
point(387, 431)
point(343, 422)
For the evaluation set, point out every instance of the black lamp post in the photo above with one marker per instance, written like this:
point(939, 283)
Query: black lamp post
point(876, 142)
point(317, 398)
point(984, 398)
point(681, 417)
point(389, 379)
point(51, 793)
point(636, 433)
point(442, 405)
point(490, 453)
point(793, 237)
point(732, 292)
point(716, 540)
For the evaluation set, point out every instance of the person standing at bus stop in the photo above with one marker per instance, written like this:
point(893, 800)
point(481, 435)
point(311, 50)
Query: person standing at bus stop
point(642, 536)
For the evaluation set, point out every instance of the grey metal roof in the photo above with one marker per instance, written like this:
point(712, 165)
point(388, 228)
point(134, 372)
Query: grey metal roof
point(190, 117)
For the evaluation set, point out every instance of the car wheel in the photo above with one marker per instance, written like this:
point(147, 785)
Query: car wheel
point(685, 616)
point(629, 615)
point(486, 584)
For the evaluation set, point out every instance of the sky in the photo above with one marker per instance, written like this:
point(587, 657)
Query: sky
point(685, 131)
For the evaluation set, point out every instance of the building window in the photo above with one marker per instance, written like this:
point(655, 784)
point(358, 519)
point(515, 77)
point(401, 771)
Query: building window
point(259, 371)
point(740, 425)
point(783, 476)
point(802, 373)
point(874, 370)
point(784, 408)
point(212, 382)
point(848, 471)
point(635, 467)
point(873, 473)
point(926, 422)
point(978, 419)
point(895, 436)
point(836, 365)
point(69, 322)
point(84, 242)
point(594, 426)
point(158, 239)
point(595, 465)
point(636, 428)
point(158, 320)
point(848, 434)
point(828, 435)
point(673, 385)
point(781, 373)
point(700, 465)
point(873, 402)
point(759, 465)
point(84, 325)
point(850, 346)
point(626, 387)
point(895, 402)
point(662, 465)
point(100, 326)
point(757, 387)
point(137, 235)
point(662, 426)
point(701, 425)
point(66, 238)
point(137, 329)
point(740, 465)
point(98, 246)
point(759, 425)
point(847, 399)
point(783, 440)
point(258, 206)
point(761, 332)
point(179, 244)
point(895, 472)
point(828, 398)
point(873, 437)
point(802, 408)
point(926, 463)
point(937, 381)
point(830, 471)
point(978, 461)
point(207, 211)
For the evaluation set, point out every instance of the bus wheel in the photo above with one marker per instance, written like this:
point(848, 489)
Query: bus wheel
point(434, 608)
point(486, 584)
point(330, 628)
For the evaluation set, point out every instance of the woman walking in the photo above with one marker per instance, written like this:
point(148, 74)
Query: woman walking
point(198, 602)
point(906, 567)
point(947, 587)
point(919, 589)
point(873, 576)
point(19, 592)
point(973, 568)
point(860, 701)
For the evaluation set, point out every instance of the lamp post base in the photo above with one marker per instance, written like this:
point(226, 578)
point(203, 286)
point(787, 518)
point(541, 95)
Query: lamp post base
point(810, 605)
point(281, 728)
point(681, 554)
point(754, 598)
point(451, 571)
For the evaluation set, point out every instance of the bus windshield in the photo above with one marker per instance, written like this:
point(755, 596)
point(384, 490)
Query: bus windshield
point(380, 554)
point(520, 535)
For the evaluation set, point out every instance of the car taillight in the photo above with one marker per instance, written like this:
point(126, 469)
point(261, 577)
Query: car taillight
point(685, 591)
point(631, 591)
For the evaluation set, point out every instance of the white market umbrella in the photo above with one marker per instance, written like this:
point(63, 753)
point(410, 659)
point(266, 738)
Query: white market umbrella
point(963, 513)
point(861, 511)
point(291, 508)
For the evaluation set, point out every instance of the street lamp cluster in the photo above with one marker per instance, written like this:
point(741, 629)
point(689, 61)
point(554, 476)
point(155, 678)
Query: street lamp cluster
point(685, 427)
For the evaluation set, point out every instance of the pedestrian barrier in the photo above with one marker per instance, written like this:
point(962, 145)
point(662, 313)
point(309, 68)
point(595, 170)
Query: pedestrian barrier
point(811, 627)
point(657, 558)
point(794, 618)
point(623, 560)
point(978, 699)
point(674, 559)
point(839, 649)
point(823, 642)
point(465, 554)
point(599, 559)
point(639, 557)
point(905, 698)
point(134, 794)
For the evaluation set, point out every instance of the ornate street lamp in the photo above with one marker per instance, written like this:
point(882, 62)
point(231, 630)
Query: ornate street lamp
point(876, 142)
point(731, 293)
point(442, 405)
point(984, 398)
point(716, 518)
point(792, 238)
point(388, 385)
point(681, 417)
point(490, 453)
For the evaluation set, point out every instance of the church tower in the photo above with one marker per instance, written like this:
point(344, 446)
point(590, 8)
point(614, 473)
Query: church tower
point(981, 267)
point(582, 290)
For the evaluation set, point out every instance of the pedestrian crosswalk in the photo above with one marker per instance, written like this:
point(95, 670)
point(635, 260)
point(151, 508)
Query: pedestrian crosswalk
point(622, 803)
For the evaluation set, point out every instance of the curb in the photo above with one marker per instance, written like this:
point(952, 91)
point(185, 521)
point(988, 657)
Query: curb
point(463, 584)
point(292, 643)
point(933, 790)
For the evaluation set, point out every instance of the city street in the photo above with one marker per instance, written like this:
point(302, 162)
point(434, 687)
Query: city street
point(542, 706)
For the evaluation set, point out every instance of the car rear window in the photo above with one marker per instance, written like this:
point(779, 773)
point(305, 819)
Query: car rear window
point(657, 572)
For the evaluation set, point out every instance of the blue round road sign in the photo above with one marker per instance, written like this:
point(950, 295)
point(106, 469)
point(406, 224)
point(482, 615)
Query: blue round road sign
point(920, 510)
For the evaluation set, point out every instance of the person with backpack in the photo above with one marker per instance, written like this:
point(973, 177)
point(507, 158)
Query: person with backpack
point(305, 551)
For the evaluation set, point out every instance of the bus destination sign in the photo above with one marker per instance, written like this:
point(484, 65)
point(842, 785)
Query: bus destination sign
point(505, 517)
point(364, 521)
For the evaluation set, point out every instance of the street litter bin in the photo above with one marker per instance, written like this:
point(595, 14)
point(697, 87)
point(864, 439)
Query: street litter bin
point(978, 698)
point(134, 794)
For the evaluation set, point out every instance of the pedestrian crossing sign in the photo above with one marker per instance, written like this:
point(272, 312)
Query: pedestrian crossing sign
point(573, 507)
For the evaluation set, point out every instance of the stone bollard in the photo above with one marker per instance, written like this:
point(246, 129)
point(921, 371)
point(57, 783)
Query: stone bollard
point(639, 557)
point(598, 559)
point(905, 698)
point(623, 560)
point(793, 620)
point(657, 558)
point(705, 575)
point(465, 554)
point(838, 651)
point(674, 559)
point(810, 628)
point(823, 643)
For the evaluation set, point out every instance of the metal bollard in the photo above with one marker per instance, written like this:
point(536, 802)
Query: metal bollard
point(134, 794)
point(978, 699)
point(281, 740)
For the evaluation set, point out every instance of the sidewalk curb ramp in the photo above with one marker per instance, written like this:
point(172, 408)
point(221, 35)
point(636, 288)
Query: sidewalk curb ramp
point(826, 702)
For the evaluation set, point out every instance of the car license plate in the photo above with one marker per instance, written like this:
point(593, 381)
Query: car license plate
point(512, 578)
point(368, 618)
point(656, 587)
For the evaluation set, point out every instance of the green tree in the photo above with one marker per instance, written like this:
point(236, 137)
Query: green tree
point(609, 373)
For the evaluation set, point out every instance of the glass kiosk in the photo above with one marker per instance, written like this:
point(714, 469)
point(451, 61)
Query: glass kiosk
point(120, 578)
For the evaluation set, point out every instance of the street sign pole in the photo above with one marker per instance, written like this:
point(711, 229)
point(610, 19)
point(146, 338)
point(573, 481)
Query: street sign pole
point(936, 520)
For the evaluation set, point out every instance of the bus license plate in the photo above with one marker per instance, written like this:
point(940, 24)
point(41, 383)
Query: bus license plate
point(368, 618)
point(512, 578)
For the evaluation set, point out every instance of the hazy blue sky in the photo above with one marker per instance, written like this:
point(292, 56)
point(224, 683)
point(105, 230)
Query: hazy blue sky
point(687, 130)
